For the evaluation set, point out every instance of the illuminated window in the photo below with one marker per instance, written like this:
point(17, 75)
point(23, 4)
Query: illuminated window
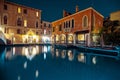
point(36, 14)
point(19, 10)
point(85, 21)
point(25, 23)
point(44, 31)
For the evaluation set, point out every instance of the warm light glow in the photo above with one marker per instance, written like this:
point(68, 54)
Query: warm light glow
point(30, 52)
point(19, 10)
point(37, 14)
point(70, 55)
point(81, 57)
point(81, 37)
point(57, 37)
point(1, 29)
point(25, 23)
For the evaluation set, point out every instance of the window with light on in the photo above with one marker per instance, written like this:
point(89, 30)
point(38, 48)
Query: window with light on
point(25, 23)
point(37, 14)
point(19, 10)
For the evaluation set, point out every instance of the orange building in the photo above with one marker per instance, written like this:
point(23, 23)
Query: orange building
point(82, 27)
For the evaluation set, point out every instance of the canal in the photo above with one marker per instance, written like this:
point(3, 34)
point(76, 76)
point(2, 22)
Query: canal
point(51, 63)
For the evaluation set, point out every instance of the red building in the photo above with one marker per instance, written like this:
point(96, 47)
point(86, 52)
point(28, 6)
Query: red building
point(82, 27)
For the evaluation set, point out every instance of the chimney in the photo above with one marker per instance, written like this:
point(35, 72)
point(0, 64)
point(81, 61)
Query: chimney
point(77, 8)
point(64, 13)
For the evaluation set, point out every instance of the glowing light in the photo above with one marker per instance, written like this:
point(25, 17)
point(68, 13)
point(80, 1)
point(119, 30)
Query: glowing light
point(25, 65)
point(37, 14)
point(19, 10)
point(25, 23)
point(94, 60)
point(44, 56)
point(70, 56)
point(81, 57)
point(45, 39)
point(29, 52)
point(36, 73)
point(13, 50)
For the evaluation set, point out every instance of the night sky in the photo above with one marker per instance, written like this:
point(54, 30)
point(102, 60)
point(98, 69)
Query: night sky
point(53, 9)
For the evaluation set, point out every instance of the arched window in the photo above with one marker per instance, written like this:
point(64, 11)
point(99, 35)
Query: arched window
point(5, 19)
point(85, 21)
point(19, 22)
point(37, 24)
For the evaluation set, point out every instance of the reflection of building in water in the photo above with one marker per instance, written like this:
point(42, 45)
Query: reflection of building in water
point(63, 54)
point(70, 55)
point(30, 51)
point(57, 53)
point(86, 58)
point(25, 65)
point(82, 57)
point(94, 60)
point(10, 52)
point(44, 49)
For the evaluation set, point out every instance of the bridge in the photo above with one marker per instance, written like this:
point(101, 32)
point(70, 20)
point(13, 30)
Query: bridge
point(2, 38)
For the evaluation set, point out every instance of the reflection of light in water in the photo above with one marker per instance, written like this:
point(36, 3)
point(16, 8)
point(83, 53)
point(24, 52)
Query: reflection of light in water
point(94, 60)
point(70, 55)
point(44, 49)
point(57, 53)
point(30, 52)
point(81, 57)
point(13, 50)
point(44, 56)
point(36, 73)
point(63, 54)
point(25, 65)
point(18, 77)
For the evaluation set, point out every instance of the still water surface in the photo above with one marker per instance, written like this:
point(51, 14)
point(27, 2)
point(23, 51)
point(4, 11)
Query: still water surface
point(50, 63)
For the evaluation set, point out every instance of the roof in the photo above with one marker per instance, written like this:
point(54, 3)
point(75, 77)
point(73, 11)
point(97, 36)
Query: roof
point(80, 12)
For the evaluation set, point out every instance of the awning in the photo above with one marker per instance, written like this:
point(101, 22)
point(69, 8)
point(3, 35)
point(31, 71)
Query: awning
point(82, 32)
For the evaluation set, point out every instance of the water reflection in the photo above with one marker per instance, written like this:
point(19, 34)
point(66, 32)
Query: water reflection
point(63, 54)
point(36, 73)
point(30, 52)
point(64, 63)
point(73, 54)
point(94, 60)
point(81, 58)
point(19, 78)
point(25, 65)
point(70, 55)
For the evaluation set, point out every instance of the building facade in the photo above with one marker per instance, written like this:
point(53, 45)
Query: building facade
point(82, 27)
point(46, 31)
point(20, 24)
